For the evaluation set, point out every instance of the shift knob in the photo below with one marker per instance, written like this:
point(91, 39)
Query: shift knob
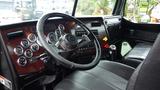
point(113, 52)
point(112, 47)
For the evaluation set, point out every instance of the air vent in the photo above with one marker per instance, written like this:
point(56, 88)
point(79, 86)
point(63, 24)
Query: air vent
point(95, 24)
point(80, 33)
point(12, 35)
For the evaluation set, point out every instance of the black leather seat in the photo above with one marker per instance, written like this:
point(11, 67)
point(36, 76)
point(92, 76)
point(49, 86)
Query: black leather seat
point(115, 76)
point(107, 75)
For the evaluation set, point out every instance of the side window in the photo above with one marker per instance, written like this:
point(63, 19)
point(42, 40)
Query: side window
point(143, 11)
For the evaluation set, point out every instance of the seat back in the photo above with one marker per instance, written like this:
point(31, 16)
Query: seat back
point(147, 75)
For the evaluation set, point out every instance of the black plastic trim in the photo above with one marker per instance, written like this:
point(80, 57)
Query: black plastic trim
point(10, 65)
point(119, 6)
point(74, 8)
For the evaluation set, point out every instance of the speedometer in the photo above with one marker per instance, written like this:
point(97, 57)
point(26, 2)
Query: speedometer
point(51, 37)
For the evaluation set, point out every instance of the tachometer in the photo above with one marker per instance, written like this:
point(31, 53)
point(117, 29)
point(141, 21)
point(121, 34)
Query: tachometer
point(51, 37)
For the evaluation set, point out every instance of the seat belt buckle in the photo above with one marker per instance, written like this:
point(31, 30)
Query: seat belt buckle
point(7, 83)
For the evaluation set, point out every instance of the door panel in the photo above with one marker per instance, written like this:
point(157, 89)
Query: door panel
point(139, 32)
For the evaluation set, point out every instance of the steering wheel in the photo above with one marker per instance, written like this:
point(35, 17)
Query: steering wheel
point(67, 42)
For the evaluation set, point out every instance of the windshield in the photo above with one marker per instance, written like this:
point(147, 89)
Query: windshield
point(95, 7)
point(13, 11)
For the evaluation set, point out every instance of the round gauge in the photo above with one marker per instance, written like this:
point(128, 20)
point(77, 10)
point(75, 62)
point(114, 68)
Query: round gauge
point(32, 37)
point(28, 53)
point(51, 37)
point(34, 47)
point(57, 33)
point(22, 61)
point(61, 27)
point(18, 50)
point(25, 43)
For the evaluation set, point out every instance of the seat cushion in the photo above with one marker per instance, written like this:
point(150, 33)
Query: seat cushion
point(139, 52)
point(132, 62)
point(105, 76)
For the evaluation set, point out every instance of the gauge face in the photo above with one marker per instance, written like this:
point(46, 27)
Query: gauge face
point(22, 61)
point(34, 47)
point(61, 27)
point(32, 37)
point(18, 50)
point(57, 34)
point(51, 37)
point(28, 53)
point(25, 43)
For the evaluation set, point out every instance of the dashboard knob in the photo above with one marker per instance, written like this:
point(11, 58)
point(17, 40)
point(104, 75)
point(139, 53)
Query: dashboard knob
point(22, 61)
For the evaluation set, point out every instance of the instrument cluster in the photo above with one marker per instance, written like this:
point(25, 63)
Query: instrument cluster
point(25, 50)
point(27, 47)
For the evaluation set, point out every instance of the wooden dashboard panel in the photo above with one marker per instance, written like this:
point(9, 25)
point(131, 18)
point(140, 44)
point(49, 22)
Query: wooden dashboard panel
point(36, 66)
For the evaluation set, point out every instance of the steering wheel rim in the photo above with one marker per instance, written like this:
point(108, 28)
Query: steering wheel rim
point(52, 50)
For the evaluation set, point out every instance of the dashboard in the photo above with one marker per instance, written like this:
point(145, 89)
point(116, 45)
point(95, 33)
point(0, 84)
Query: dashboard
point(25, 51)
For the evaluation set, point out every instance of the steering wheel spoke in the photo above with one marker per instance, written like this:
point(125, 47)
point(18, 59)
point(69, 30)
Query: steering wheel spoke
point(84, 41)
point(57, 48)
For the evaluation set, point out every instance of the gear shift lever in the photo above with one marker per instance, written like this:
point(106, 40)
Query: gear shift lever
point(113, 52)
